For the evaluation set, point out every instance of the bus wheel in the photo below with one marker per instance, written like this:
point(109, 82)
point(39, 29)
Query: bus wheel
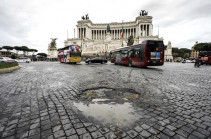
point(130, 64)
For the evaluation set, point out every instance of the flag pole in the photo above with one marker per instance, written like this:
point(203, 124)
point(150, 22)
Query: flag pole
point(81, 35)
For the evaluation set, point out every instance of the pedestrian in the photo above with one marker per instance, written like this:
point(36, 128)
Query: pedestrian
point(198, 59)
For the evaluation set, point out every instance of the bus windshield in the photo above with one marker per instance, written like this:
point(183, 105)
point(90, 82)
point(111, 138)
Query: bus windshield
point(75, 54)
point(155, 45)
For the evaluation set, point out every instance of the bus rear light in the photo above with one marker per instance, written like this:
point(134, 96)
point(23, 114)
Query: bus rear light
point(148, 61)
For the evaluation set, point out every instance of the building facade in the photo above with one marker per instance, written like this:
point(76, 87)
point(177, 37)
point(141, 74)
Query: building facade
point(194, 53)
point(102, 38)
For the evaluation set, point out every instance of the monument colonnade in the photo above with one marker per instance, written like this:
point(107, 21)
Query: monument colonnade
point(142, 30)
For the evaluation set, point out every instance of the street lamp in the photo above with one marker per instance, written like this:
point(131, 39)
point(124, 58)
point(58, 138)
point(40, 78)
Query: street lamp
point(81, 36)
point(122, 34)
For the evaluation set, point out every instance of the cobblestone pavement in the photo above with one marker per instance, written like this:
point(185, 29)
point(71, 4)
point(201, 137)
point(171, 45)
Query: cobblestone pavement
point(53, 100)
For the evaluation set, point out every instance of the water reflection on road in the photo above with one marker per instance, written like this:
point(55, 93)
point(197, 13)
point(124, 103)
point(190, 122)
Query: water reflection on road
point(111, 113)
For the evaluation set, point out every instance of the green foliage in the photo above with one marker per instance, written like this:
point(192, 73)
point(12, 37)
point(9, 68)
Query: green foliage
point(17, 48)
point(130, 41)
point(0, 48)
point(8, 48)
point(13, 56)
point(8, 65)
point(42, 54)
point(183, 52)
point(175, 50)
point(33, 50)
point(203, 47)
point(25, 49)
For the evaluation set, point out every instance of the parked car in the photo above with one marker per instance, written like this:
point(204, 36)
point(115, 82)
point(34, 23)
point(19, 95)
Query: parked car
point(6, 59)
point(101, 60)
point(193, 61)
point(23, 59)
point(188, 61)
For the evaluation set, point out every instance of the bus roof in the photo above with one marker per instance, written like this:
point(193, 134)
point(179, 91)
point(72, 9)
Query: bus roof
point(134, 46)
point(67, 47)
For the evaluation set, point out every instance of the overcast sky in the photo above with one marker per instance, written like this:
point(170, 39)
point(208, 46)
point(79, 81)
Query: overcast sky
point(33, 22)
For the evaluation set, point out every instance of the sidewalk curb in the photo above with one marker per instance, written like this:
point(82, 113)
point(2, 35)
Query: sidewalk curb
point(7, 70)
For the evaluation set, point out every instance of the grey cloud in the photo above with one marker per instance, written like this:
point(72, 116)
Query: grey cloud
point(168, 13)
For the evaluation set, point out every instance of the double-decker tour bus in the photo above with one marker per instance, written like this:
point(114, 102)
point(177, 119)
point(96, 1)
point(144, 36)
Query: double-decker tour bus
point(148, 53)
point(70, 54)
point(205, 57)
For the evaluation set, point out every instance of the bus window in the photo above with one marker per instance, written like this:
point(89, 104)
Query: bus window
point(155, 45)
point(130, 53)
point(124, 53)
point(137, 53)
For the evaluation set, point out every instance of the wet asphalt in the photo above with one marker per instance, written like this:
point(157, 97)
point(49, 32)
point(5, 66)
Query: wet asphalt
point(54, 100)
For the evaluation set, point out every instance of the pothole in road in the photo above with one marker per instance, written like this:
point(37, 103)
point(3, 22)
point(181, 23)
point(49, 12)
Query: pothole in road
point(105, 94)
point(109, 106)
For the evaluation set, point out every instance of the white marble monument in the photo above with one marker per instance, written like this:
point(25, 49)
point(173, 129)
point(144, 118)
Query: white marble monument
point(52, 51)
point(96, 38)
point(168, 53)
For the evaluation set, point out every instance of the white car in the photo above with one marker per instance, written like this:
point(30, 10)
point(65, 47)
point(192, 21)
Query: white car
point(23, 59)
point(6, 60)
point(188, 61)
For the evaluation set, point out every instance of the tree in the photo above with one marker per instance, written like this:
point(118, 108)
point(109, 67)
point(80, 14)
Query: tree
point(0, 48)
point(17, 48)
point(130, 40)
point(13, 56)
point(182, 52)
point(8, 48)
point(25, 49)
point(33, 51)
point(175, 52)
point(203, 47)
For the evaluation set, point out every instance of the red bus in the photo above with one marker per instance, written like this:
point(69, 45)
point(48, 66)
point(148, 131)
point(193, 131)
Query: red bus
point(148, 53)
point(205, 57)
point(70, 54)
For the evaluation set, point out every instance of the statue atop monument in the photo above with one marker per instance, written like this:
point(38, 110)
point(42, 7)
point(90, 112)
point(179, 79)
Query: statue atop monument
point(86, 17)
point(53, 43)
point(143, 13)
point(108, 29)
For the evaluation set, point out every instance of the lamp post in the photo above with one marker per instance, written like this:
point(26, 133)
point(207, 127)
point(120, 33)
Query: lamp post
point(122, 34)
point(81, 36)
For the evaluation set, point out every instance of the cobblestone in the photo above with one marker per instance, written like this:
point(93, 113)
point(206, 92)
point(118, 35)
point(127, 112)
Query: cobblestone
point(39, 101)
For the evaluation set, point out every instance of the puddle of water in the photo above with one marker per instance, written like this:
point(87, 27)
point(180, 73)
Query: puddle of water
point(99, 100)
point(94, 95)
point(132, 96)
point(112, 113)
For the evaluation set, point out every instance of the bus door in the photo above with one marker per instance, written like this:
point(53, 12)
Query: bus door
point(67, 56)
point(125, 58)
point(118, 58)
point(142, 55)
point(136, 59)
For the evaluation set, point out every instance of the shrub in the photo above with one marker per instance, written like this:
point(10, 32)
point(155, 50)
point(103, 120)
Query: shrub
point(8, 65)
